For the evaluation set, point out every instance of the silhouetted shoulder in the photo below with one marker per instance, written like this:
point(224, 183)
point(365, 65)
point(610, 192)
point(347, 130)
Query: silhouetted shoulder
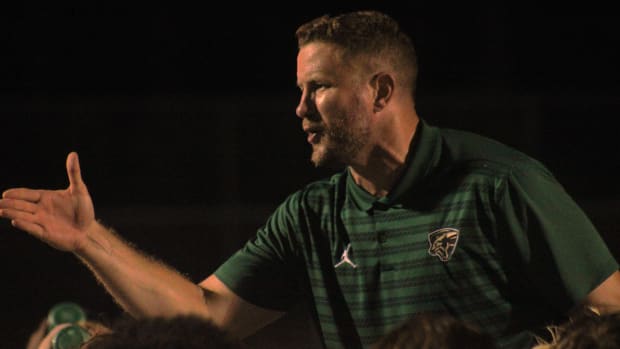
point(464, 148)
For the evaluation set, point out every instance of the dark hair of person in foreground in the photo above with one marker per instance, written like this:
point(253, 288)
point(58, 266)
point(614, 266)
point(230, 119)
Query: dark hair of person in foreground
point(587, 328)
point(179, 332)
point(435, 331)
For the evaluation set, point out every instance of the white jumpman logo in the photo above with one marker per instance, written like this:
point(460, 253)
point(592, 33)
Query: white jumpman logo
point(345, 258)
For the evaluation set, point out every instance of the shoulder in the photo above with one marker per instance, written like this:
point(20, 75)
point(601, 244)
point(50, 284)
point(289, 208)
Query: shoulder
point(474, 151)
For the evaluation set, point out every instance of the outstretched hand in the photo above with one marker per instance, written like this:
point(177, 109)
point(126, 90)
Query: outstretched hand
point(60, 218)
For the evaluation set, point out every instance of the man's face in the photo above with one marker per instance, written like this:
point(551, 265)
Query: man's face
point(335, 105)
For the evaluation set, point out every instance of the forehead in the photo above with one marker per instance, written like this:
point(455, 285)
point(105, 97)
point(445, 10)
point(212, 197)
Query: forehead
point(321, 60)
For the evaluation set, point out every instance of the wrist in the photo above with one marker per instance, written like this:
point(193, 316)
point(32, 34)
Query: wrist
point(94, 238)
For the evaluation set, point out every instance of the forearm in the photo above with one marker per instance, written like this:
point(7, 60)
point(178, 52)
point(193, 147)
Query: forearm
point(140, 284)
point(605, 298)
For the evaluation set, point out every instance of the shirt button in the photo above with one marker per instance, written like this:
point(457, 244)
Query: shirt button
point(382, 237)
point(386, 267)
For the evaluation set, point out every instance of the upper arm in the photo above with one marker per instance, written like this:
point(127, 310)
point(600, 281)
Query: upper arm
point(229, 311)
point(553, 243)
point(606, 296)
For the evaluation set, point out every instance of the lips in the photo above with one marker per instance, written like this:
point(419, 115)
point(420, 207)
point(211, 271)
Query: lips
point(314, 134)
point(314, 137)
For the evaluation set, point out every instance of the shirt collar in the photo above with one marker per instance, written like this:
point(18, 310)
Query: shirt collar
point(422, 158)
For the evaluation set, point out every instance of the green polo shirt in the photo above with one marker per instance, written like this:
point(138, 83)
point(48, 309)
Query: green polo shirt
point(473, 228)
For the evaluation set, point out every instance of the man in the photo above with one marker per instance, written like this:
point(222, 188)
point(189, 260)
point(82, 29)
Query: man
point(421, 219)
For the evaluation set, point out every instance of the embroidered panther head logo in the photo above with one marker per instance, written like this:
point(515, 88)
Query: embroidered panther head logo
point(442, 243)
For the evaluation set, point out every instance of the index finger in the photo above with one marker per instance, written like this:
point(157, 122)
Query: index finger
point(26, 194)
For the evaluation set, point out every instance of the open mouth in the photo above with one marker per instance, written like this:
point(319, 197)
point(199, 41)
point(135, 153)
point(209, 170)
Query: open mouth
point(314, 134)
point(314, 137)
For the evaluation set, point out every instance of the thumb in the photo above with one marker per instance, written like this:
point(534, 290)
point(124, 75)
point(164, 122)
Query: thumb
point(73, 171)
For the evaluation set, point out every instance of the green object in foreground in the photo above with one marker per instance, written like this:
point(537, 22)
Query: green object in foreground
point(70, 337)
point(65, 312)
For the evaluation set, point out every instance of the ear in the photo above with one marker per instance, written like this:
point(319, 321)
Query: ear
point(383, 86)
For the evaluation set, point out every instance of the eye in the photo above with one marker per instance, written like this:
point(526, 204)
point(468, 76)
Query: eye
point(313, 86)
point(319, 85)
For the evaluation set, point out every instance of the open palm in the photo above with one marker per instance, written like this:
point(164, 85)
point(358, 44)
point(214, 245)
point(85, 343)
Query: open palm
point(58, 217)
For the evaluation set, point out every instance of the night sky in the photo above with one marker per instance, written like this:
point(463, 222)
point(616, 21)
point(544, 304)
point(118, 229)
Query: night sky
point(135, 87)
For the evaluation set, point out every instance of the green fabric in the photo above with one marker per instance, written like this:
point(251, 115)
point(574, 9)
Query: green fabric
point(525, 253)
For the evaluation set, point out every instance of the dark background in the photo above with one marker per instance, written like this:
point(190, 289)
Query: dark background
point(183, 117)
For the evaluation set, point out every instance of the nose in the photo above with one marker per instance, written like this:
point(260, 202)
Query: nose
point(305, 105)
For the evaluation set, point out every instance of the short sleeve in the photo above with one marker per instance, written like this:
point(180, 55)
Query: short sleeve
point(263, 271)
point(561, 253)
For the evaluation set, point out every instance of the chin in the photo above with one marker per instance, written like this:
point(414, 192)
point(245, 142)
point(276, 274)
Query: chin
point(316, 159)
point(327, 159)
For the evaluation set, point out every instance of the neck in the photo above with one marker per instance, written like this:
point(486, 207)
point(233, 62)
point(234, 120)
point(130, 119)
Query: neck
point(384, 162)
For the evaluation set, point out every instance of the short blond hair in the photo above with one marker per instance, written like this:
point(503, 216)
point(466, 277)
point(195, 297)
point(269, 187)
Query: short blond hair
point(366, 33)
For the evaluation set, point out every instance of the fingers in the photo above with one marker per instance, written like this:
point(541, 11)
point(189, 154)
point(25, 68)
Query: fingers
point(19, 205)
point(29, 227)
point(73, 171)
point(13, 214)
point(37, 336)
point(26, 194)
point(47, 340)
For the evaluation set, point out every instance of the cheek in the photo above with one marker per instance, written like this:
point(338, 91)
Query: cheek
point(325, 102)
point(332, 108)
